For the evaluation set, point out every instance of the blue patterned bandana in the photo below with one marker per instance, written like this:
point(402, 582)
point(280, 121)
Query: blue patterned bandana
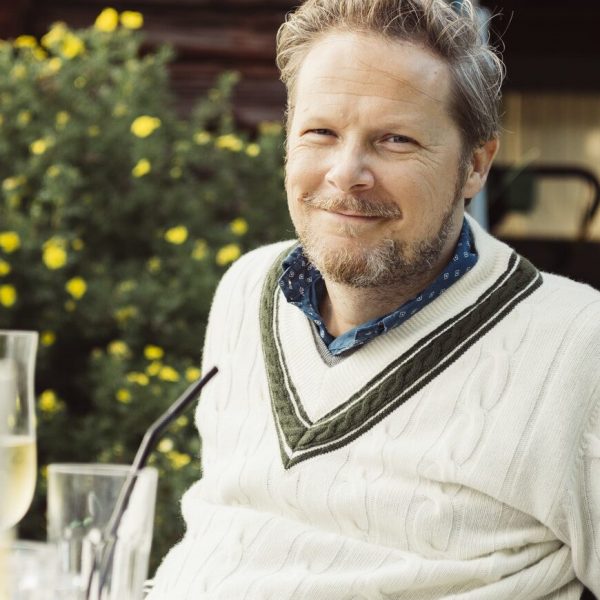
point(303, 286)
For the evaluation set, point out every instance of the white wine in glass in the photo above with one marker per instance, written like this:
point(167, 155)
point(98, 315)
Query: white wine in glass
point(18, 465)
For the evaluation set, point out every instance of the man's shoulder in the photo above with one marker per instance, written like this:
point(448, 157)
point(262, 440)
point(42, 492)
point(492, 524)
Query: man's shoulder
point(252, 267)
point(569, 297)
point(570, 287)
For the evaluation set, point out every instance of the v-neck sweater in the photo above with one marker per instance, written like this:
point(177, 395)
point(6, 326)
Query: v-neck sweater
point(456, 456)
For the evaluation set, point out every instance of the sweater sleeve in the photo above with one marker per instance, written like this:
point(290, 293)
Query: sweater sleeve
point(582, 502)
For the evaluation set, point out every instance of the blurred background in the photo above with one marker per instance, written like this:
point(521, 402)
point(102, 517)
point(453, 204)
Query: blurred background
point(141, 153)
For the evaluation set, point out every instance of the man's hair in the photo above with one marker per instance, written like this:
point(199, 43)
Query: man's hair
point(451, 32)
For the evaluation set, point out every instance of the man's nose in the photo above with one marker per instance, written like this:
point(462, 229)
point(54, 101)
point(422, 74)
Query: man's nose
point(349, 170)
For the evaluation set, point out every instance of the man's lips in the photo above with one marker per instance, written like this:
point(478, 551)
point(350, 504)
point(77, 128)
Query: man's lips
point(353, 208)
point(354, 215)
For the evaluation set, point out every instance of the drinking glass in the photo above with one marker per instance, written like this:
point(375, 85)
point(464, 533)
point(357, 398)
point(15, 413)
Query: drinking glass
point(18, 464)
point(32, 568)
point(81, 501)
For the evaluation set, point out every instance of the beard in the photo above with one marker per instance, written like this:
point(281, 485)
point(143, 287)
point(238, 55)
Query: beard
point(387, 262)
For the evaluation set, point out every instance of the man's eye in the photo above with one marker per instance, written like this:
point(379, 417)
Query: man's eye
point(321, 131)
point(399, 139)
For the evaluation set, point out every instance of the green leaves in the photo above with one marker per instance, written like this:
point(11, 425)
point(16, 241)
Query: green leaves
point(126, 216)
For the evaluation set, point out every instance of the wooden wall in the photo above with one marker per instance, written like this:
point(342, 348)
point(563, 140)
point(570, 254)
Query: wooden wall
point(209, 36)
point(550, 45)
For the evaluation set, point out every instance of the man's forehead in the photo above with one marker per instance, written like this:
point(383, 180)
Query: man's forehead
point(366, 64)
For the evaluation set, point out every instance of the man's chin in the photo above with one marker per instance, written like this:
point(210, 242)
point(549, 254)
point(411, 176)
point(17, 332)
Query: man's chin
point(347, 264)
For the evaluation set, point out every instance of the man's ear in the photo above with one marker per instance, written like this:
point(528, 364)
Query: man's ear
point(479, 167)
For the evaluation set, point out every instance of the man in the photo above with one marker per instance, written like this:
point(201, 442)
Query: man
point(405, 408)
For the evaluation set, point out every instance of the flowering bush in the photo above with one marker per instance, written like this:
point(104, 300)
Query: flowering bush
point(117, 219)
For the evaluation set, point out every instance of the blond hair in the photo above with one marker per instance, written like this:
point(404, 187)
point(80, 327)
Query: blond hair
point(451, 33)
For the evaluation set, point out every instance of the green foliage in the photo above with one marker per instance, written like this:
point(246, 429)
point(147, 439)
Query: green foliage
point(118, 218)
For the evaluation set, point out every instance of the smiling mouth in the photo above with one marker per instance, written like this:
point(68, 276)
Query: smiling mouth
point(353, 208)
point(355, 216)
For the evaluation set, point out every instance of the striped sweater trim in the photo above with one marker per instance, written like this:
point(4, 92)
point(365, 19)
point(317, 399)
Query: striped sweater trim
point(300, 438)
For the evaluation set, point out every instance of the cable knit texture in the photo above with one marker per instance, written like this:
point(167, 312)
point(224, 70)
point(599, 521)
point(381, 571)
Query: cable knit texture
point(454, 457)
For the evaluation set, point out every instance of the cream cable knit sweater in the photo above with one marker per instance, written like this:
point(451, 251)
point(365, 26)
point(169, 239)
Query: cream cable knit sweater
point(455, 457)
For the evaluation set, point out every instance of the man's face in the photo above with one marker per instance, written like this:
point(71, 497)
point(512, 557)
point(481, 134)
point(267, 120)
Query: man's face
point(374, 184)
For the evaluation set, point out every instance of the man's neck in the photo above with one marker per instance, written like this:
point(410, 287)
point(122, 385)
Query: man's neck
point(343, 307)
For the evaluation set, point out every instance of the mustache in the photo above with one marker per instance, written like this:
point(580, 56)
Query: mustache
point(363, 206)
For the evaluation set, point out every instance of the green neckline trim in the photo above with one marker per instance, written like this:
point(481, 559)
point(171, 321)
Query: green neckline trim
point(300, 438)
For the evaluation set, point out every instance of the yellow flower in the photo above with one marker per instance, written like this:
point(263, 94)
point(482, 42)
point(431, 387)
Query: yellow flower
point(54, 255)
point(229, 142)
point(77, 244)
point(200, 250)
point(141, 168)
point(53, 171)
point(77, 287)
point(39, 53)
point(271, 128)
point(18, 71)
point(143, 126)
point(152, 352)
point(39, 146)
point(227, 254)
point(125, 313)
point(253, 150)
point(178, 459)
point(153, 264)
point(176, 235)
point(12, 183)
point(126, 286)
point(5, 268)
point(14, 201)
point(139, 378)
point(118, 348)
point(8, 295)
point(54, 64)
point(167, 373)
point(165, 445)
point(202, 137)
point(124, 396)
point(55, 35)
point(192, 373)
point(131, 19)
point(93, 131)
point(72, 46)
point(9, 241)
point(182, 421)
point(47, 338)
point(239, 226)
point(120, 109)
point(24, 117)
point(154, 368)
point(107, 20)
point(49, 402)
point(62, 118)
point(25, 41)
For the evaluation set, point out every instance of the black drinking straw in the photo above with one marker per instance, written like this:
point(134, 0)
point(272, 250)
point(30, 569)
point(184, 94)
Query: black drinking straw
point(148, 444)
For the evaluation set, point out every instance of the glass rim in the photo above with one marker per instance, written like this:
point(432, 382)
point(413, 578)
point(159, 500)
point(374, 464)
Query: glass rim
point(19, 332)
point(110, 469)
point(28, 545)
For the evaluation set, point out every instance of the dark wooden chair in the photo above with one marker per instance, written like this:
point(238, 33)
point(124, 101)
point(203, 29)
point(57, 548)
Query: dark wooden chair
point(512, 188)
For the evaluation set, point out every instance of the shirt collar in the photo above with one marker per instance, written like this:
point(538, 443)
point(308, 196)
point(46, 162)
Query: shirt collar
point(303, 286)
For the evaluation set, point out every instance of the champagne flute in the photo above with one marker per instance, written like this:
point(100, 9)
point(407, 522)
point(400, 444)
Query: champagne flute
point(18, 464)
